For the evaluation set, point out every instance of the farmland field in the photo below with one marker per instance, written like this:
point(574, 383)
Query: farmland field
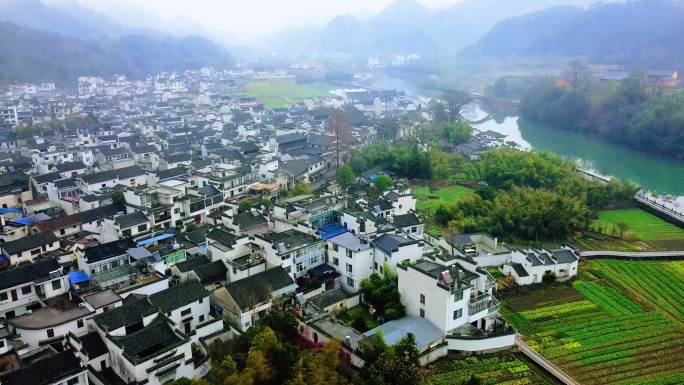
point(622, 323)
point(494, 369)
point(429, 201)
point(276, 93)
point(641, 224)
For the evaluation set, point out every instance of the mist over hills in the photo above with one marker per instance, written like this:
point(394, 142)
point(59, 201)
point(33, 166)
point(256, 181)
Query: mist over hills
point(32, 55)
point(644, 34)
point(406, 26)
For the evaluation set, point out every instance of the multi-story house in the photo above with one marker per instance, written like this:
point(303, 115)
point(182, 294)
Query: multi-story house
point(29, 248)
point(352, 257)
point(23, 287)
point(295, 251)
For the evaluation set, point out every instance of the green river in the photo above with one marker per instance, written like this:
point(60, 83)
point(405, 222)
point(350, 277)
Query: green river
point(651, 172)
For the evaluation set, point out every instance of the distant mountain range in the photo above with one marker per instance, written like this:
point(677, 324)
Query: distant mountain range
point(644, 34)
point(65, 40)
point(406, 26)
point(32, 55)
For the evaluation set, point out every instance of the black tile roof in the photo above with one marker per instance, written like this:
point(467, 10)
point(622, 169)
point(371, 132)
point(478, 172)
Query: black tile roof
point(406, 220)
point(222, 237)
point(132, 219)
point(46, 371)
point(172, 173)
point(108, 250)
point(70, 166)
point(33, 272)
point(92, 344)
point(179, 295)
point(192, 263)
point(122, 173)
point(28, 242)
point(249, 220)
point(127, 314)
point(151, 341)
point(211, 272)
point(257, 288)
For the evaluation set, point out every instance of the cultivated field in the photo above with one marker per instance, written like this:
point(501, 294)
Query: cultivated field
point(276, 93)
point(641, 225)
point(622, 323)
point(429, 201)
point(492, 369)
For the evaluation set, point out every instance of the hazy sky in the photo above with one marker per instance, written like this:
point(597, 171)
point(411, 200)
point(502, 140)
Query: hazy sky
point(258, 17)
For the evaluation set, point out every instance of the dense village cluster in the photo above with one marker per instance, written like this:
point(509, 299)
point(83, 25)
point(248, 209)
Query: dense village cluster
point(143, 220)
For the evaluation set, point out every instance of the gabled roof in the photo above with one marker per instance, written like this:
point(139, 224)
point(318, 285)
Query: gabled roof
point(172, 173)
point(151, 341)
point(108, 250)
point(92, 344)
point(257, 288)
point(46, 371)
point(192, 263)
point(127, 314)
point(390, 242)
point(33, 272)
point(70, 166)
point(249, 220)
point(130, 220)
point(104, 176)
point(28, 242)
point(406, 220)
point(178, 296)
point(211, 272)
point(222, 237)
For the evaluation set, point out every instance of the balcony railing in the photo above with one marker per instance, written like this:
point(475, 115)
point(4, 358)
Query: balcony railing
point(481, 303)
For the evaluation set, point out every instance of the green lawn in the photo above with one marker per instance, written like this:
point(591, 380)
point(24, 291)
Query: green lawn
point(430, 201)
point(641, 224)
point(276, 93)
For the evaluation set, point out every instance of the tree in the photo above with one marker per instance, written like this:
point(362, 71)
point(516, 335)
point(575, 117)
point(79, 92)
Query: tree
point(245, 205)
point(346, 177)
point(577, 74)
point(457, 104)
point(622, 226)
point(382, 183)
point(397, 365)
point(118, 200)
point(338, 126)
point(456, 133)
point(451, 233)
point(301, 188)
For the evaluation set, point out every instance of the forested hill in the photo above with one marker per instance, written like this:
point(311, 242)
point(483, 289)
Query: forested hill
point(645, 34)
point(32, 55)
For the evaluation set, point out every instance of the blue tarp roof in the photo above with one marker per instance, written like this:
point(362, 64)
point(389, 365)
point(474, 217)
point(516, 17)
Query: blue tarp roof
point(10, 210)
point(22, 221)
point(155, 239)
point(78, 277)
point(331, 230)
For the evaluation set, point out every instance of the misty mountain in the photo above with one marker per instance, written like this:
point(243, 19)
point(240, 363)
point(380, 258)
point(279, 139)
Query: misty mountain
point(35, 14)
point(643, 34)
point(32, 55)
point(406, 26)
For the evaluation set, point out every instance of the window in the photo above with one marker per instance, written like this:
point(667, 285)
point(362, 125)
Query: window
point(3, 296)
point(458, 296)
point(2, 343)
point(349, 268)
point(72, 381)
point(142, 227)
point(201, 318)
point(26, 290)
point(185, 312)
point(349, 253)
point(79, 323)
point(200, 300)
point(115, 264)
point(56, 284)
point(414, 229)
point(335, 247)
point(335, 262)
point(458, 313)
point(126, 233)
point(350, 282)
point(50, 333)
point(35, 251)
point(422, 313)
point(422, 299)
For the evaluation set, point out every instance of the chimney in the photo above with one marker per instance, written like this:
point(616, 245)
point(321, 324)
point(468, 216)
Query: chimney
point(347, 339)
point(496, 242)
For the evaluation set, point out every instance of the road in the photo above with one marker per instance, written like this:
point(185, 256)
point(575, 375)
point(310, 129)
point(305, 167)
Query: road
point(633, 254)
point(543, 362)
